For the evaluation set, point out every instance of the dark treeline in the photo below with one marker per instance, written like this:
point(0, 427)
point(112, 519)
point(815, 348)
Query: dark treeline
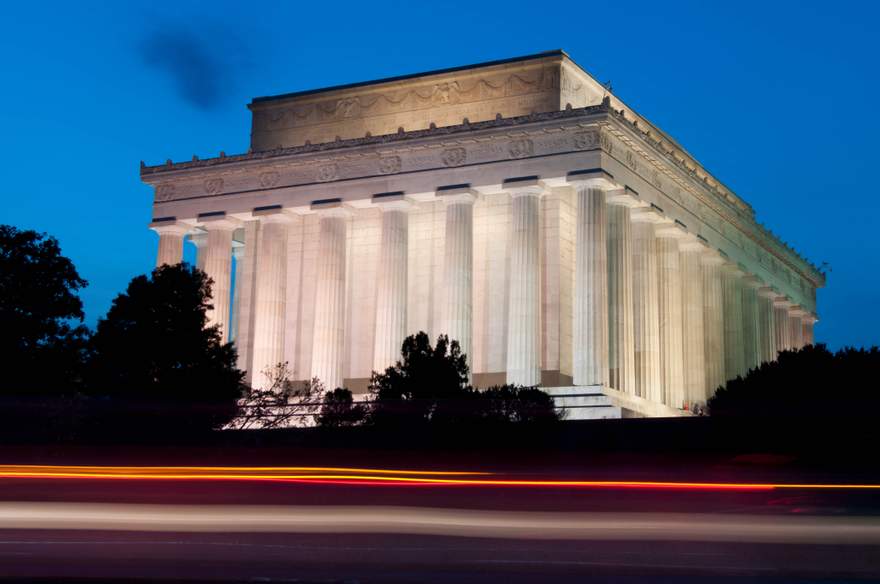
point(154, 370)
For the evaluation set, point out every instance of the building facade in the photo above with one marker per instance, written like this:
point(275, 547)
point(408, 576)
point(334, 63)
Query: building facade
point(517, 206)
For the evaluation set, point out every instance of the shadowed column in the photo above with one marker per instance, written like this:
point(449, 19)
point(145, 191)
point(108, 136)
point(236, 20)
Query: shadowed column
point(713, 321)
point(646, 328)
point(751, 324)
point(621, 335)
point(218, 267)
point(732, 292)
point(670, 314)
point(692, 321)
point(590, 310)
point(781, 328)
point(767, 321)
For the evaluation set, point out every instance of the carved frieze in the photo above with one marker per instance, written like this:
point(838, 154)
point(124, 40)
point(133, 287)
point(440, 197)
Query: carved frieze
point(389, 165)
point(165, 192)
point(213, 186)
point(521, 148)
point(327, 172)
point(586, 140)
point(454, 156)
point(269, 179)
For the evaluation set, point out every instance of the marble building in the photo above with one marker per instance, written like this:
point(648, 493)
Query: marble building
point(519, 207)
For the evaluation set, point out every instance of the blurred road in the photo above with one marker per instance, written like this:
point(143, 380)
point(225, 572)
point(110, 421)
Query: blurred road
point(131, 523)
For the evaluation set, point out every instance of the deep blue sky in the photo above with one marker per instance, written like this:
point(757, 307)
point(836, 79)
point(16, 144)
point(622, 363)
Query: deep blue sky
point(777, 99)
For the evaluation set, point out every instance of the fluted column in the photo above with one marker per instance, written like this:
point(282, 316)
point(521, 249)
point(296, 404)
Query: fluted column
point(767, 322)
point(328, 350)
point(669, 283)
point(244, 297)
point(692, 322)
point(590, 327)
point(458, 267)
point(218, 267)
point(646, 305)
point(238, 269)
point(170, 242)
point(391, 292)
point(713, 321)
point(621, 333)
point(200, 240)
point(269, 305)
point(524, 301)
point(780, 319)
point(796, 329)
point(751, 324)
point(732, 294)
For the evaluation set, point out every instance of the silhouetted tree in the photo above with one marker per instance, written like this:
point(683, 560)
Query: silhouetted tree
point(427, 384)
point(284, 402)
point(517, 404)
point(41, 338)
point(339, 410)
point(156, 364)
point(808, 383)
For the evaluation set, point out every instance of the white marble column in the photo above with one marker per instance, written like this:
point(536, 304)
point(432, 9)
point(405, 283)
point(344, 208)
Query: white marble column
point(200, 240)
point(218, 267)
point(692, 322)
point(796, 329)
point(767, 322)
point(458, 268)
point(328, 348)
point(170, 242)
point(237, 269)
point(269, 301)
point(751, 324)
point(670, 315)
point(646, 305)
point(732, 294)
point(392, 284)
point(621, 333)
point(244, 297)
point(780, 319)
point(524, 292)
point(590, 310)
point(713, 321)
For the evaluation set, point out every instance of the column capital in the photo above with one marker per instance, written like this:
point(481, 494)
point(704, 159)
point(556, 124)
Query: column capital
point(674, 229)
point(651, 214)
point(626, 197)
point(330, 208)
point(752, 281)
point(713, 257)
point(523, 186)
point(454, 194)
point(733, 269)
point(169, 225)
point(393, 201)
point(270, 214)
point(797, 311)
point(217, 221)
point(592, 178)
point(782, 301)
point(768, 292)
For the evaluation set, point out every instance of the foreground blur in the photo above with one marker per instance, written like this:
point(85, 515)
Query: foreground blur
point(392, 525)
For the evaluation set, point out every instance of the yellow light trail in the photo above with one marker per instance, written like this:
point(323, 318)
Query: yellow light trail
point(347, 475)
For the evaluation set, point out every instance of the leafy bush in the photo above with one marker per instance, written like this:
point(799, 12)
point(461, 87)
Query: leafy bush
point(339, 410)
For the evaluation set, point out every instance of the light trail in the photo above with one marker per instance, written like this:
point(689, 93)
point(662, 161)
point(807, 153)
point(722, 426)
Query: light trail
point(522, 525)
point(368, 476)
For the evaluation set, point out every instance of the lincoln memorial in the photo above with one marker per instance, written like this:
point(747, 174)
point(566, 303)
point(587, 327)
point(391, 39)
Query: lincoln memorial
point(518, 206)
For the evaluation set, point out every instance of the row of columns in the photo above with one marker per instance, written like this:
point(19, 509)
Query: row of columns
point(656, 314)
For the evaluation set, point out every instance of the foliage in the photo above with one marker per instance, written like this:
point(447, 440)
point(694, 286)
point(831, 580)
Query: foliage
point(427, 384)
point(41, 342)
point(808, 383)
point(281, 404)
point(154, 357)
point(517, 404)
point(339, 410)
